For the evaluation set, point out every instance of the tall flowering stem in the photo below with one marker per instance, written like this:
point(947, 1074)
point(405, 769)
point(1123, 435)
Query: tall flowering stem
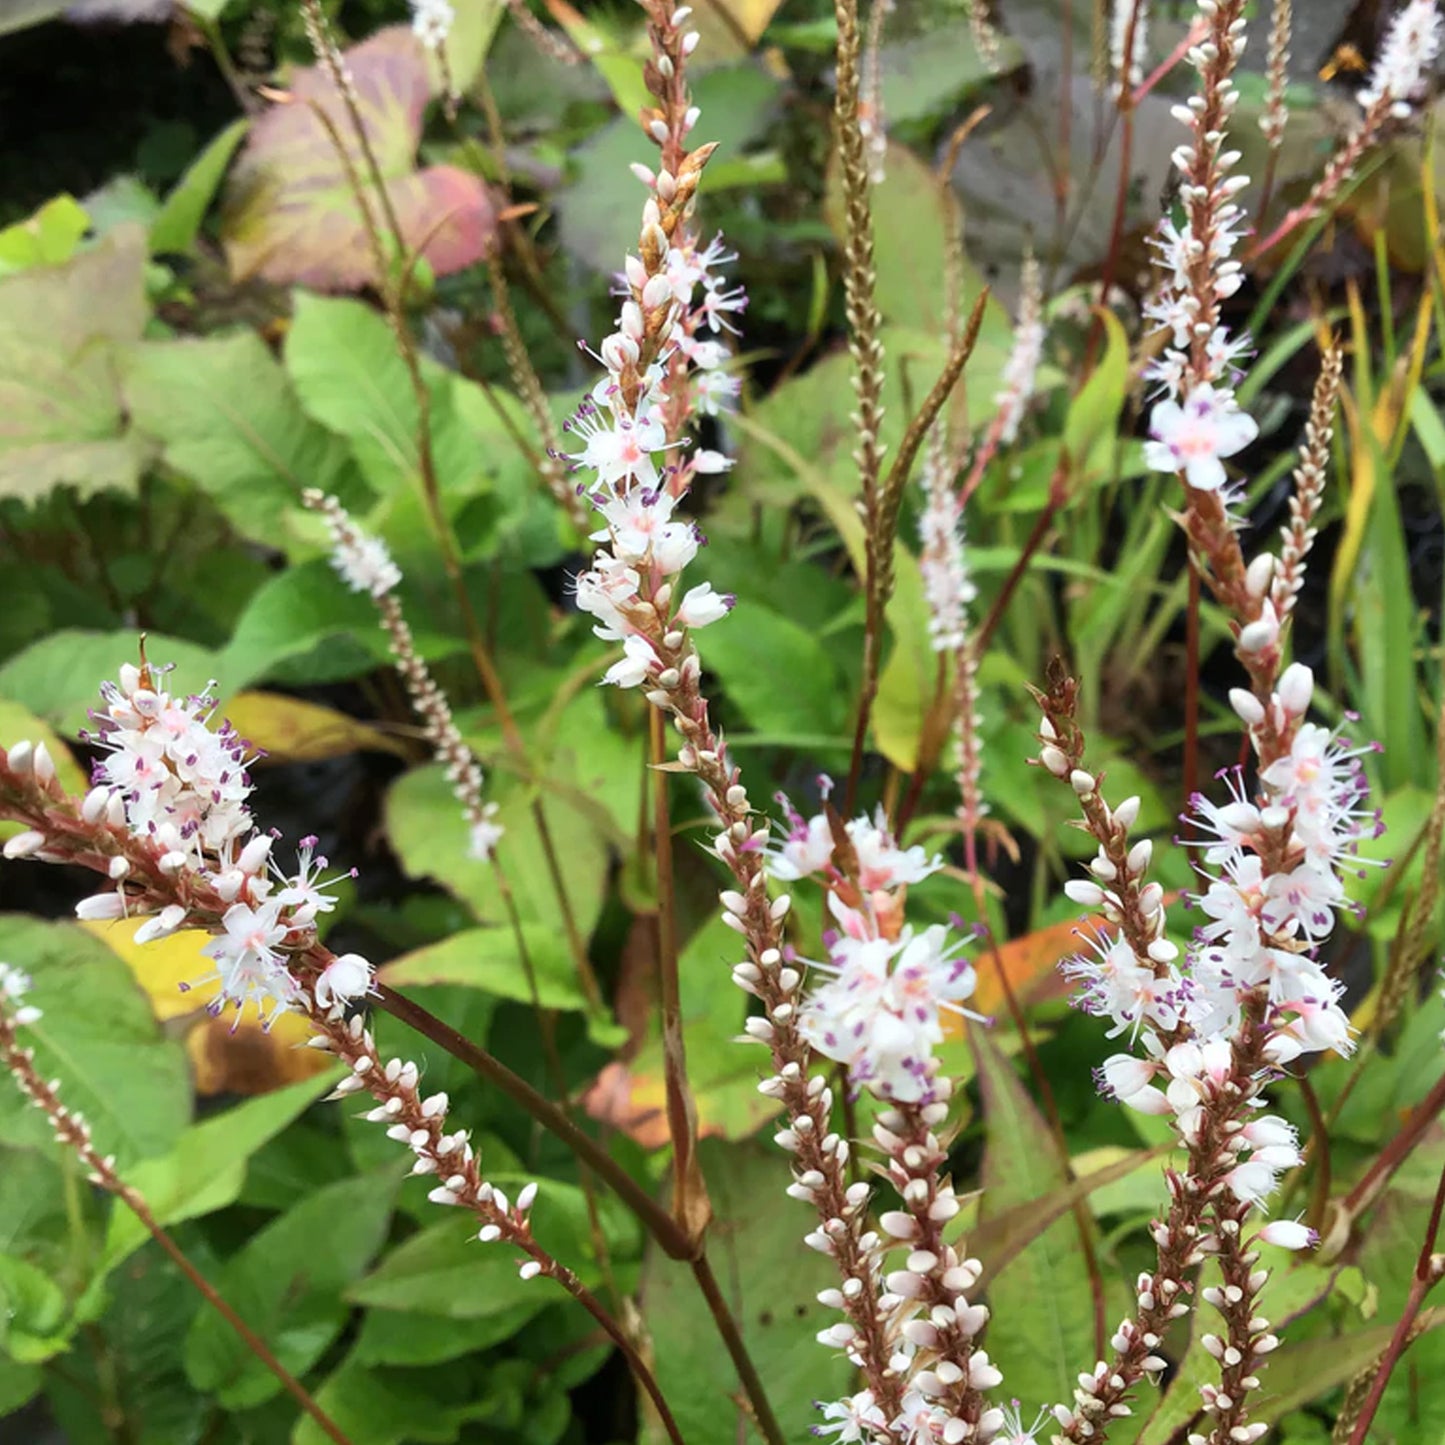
point(73, 1133)
point(1251, 997)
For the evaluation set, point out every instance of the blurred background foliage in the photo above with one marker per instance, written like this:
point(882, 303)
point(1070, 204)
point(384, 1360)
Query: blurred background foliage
point(189, 335)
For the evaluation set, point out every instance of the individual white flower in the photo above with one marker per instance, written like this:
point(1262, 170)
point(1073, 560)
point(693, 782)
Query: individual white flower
point(249, 967)
point(1193, 438)
point(637, 661)
point(852, 1419)
point(701, 606)
point(343, 980)
point(484, 835)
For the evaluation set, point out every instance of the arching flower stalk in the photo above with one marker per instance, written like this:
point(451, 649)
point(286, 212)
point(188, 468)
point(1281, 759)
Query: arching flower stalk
point(167, 823)
point(365, 565)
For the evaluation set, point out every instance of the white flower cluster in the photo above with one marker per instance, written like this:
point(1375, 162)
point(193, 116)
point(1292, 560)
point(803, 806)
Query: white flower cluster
point(1198, 423)
point(1020, 373)
point(1405, 59)
point(947, 585)
point(1128, 16)
point(365, 565)
point(878, 1009)
point(172, 780)
point(432, 21)
point(629, 589)
point(1273, 892)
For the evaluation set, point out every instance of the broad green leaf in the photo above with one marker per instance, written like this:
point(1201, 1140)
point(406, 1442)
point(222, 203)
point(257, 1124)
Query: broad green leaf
point(1041, 1329)
point(425, 824)
point(207, 1167)
point(290, 214)
point(34, 1323)
point(910, 210)
point(777, 673)
point(48, 238)
point(374, 1406)
point(390, 1337)
point(446, 1271)
point(930, 76)
point(490, 959)
point(62, 419)
point(304, 626)
point(741, 102)
point(770, 1281)
point(97, 1037)
point(287, 1285)
point(18, 1384)
point(227, 418)
point(343, 361)
point(58, 678)
point(469, 42)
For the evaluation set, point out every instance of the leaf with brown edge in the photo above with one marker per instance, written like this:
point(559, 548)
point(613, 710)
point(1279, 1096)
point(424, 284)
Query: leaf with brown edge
point(290, 212)
point(289, 730)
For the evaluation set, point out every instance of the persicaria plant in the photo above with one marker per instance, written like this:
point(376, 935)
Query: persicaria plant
point(1021, 1024)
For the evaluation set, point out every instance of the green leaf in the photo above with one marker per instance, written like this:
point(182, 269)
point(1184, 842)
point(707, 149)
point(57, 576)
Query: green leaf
point(62, 420)
point(34, 1319)
point(175, 229)
point(343, 361)
point(771, 1282)
point(228, 419)
point(290, 213)
point(425, 824)
point(19, 1384)
point(48, 238)
point(1041, 1327)
point(489, 959)
point(305, 625)
point(777, 673)
point(391, 1337)
point(1091, 430)
point(207, 1167)
point(58, 678)
point(393, 1407)
point(910, 248)
point(444, 1270)
point(97, 1036)
point(286, 1284)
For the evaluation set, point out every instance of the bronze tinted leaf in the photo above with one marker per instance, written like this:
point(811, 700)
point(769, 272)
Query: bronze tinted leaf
point(290, 212)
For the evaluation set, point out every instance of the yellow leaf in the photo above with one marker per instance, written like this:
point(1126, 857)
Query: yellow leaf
point(289, 730)
point(163, 967)
point(229, 1056)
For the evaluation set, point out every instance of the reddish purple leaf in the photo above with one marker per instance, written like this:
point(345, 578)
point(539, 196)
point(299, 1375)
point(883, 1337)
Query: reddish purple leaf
point(290, 214)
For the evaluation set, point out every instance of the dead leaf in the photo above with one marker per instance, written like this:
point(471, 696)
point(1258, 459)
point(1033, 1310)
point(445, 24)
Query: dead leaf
point(289, 730)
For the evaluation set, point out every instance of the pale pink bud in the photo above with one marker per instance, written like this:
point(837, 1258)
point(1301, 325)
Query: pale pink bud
point(101, 907)
point(22, 845)
point(1247, 707)
point(1296, 688)
point(1289, 1234)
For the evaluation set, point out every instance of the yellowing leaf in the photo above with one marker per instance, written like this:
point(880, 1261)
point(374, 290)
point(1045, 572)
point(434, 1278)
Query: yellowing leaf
point(289, 730)
point(229, 1056)
point(162, 967)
